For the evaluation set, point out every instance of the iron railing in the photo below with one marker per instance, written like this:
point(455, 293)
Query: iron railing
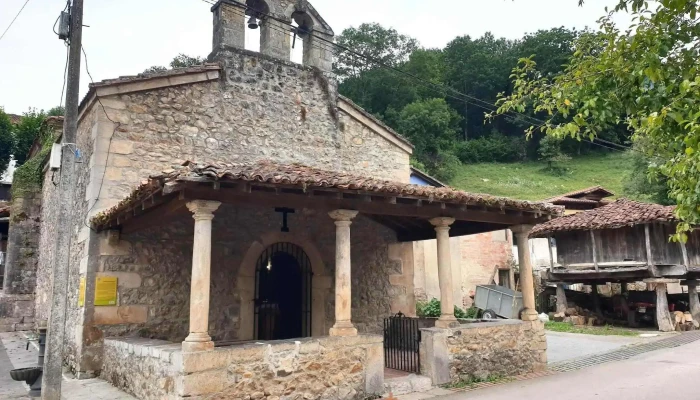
point(402, 343)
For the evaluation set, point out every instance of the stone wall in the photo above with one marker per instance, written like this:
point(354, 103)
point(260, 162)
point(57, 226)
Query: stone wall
point(147, 369)
point(482, 350)
point(17, 296)
point(342, 368)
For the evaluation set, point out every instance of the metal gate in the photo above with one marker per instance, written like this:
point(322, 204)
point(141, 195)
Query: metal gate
point(402, 343)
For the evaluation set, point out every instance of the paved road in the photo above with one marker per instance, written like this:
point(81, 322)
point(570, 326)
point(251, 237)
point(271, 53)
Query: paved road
point(566, 346)
point(9, 389)
point(662, 374)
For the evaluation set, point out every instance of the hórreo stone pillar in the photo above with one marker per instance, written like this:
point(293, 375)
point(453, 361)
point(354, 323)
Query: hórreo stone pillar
point(693, 299)
point(527, 284)
point(663, 316)
point(343, 294)
point(199, 339)
point(562, 304)
point(447, 309)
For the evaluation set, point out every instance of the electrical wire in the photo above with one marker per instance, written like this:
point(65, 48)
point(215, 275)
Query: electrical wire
point(109, 144)
point(14, 19)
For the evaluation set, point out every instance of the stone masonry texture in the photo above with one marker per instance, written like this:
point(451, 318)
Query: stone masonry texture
point(319, 368)
point(506, 350)
point(17, 296)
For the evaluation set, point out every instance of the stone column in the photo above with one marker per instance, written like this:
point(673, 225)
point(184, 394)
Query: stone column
point(199, 339)
point(343, 295)
point(562, 305)
point(527, 284)
point(447, 309)
point(693, 299)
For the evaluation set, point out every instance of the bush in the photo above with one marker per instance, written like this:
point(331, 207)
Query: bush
point(493, 148)
point(431, 309)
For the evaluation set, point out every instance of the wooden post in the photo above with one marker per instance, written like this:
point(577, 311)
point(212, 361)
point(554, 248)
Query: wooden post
point(595, 251)
point(686, 260)
point(596, 299)
point(647, 247)
point(551, 255)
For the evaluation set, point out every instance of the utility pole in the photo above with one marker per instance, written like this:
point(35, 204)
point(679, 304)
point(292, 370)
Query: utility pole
point(53, 362)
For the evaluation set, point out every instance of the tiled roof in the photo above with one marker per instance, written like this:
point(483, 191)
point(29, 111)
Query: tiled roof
point(581, 192)
point(618, 214)
point(307, 178)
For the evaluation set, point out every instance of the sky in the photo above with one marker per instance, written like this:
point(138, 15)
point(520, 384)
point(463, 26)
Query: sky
point(124, 37)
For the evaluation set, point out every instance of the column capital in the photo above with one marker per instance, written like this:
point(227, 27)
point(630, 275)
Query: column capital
point(203, 209)
point(521, 229)
point(343, 215)
point(442, 222)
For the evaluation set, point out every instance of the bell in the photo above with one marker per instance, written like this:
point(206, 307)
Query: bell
point(303, 31)
point(253, 23)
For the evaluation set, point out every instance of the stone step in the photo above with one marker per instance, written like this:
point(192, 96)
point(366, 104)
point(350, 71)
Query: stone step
point(408, 384)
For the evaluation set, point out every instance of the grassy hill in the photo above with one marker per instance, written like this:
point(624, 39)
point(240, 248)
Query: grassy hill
point(533, 181)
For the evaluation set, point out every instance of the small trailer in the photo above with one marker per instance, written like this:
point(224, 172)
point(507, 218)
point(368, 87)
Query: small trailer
point(497, 301)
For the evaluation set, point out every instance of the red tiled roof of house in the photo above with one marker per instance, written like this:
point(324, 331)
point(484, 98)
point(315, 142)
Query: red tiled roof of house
point(581, 192)
point(623, 212)
point(309, 178)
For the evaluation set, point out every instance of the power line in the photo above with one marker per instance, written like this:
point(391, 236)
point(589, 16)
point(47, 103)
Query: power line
point(13, 19)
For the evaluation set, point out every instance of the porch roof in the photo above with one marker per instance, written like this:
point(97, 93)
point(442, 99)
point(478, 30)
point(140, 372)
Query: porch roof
point(405, 208)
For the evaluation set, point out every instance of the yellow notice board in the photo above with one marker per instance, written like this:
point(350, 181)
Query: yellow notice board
point(106, 291)
point(81, 292)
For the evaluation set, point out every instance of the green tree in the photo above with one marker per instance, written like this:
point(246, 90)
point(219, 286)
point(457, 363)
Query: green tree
point(179, 61)
point(644, 182)
point(646, 77)
point(479, 68)
point(7, 140)
point(25, 132)
point(432, 127)
point(373, 40)
point(550, 151)
point(551, 49)
point(57, 111)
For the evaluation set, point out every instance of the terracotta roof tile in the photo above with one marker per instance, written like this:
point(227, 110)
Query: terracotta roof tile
point(618, 214)
point(309, 178)
point(580, 192)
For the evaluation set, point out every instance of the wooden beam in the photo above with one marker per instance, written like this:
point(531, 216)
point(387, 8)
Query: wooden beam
point(328, 203)
point(684, 252)
point(153, 217)
point(595, 250)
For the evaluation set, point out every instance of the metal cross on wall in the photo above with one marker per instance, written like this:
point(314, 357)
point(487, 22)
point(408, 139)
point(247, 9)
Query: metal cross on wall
point(284, 212)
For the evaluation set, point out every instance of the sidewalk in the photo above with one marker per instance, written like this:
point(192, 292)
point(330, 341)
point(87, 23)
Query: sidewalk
point(13, 354)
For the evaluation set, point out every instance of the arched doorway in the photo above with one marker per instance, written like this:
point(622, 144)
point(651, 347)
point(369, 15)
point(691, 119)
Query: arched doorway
point(282, 293)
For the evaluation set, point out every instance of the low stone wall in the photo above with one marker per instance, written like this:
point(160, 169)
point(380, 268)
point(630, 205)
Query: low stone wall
point(16, 312)
point(481, 350)
point(344, 368)
point(145, 368)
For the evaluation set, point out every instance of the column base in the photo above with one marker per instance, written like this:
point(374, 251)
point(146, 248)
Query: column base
point(445, 322)
point(193, 347)
point(197, 341)
point(528, 314)
point(343, 329)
